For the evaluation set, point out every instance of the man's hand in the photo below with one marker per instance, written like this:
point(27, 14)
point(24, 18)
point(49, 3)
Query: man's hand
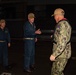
point(9, 44)
point(35, 39)
point(52, 58)
point(51, 36)
point(38, 31)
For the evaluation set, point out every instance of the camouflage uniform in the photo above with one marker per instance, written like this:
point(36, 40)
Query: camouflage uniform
point(61, 47)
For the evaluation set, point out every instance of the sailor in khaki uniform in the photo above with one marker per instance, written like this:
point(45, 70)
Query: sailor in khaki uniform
point(61, 43)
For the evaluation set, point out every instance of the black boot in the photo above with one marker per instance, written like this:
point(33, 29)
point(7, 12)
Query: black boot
point(32, 67)
point(28, 71)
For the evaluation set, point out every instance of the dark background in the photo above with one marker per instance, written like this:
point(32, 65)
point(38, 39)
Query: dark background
point(15, 14)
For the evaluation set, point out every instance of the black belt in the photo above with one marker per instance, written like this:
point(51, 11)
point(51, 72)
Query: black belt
point(56, 42)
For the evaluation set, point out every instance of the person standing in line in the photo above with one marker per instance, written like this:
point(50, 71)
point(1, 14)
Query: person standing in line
point(4, 44)
point(61, 43)
point(29, 43)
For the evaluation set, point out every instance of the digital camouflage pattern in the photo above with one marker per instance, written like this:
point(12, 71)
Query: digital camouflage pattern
point(61, 47)
point(58, 67)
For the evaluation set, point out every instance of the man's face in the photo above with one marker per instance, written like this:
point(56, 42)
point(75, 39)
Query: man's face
point(31, 20)
point(56, 18)
point(2, 25)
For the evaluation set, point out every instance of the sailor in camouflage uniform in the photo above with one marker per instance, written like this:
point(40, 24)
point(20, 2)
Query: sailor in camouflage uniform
point(61, 43)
